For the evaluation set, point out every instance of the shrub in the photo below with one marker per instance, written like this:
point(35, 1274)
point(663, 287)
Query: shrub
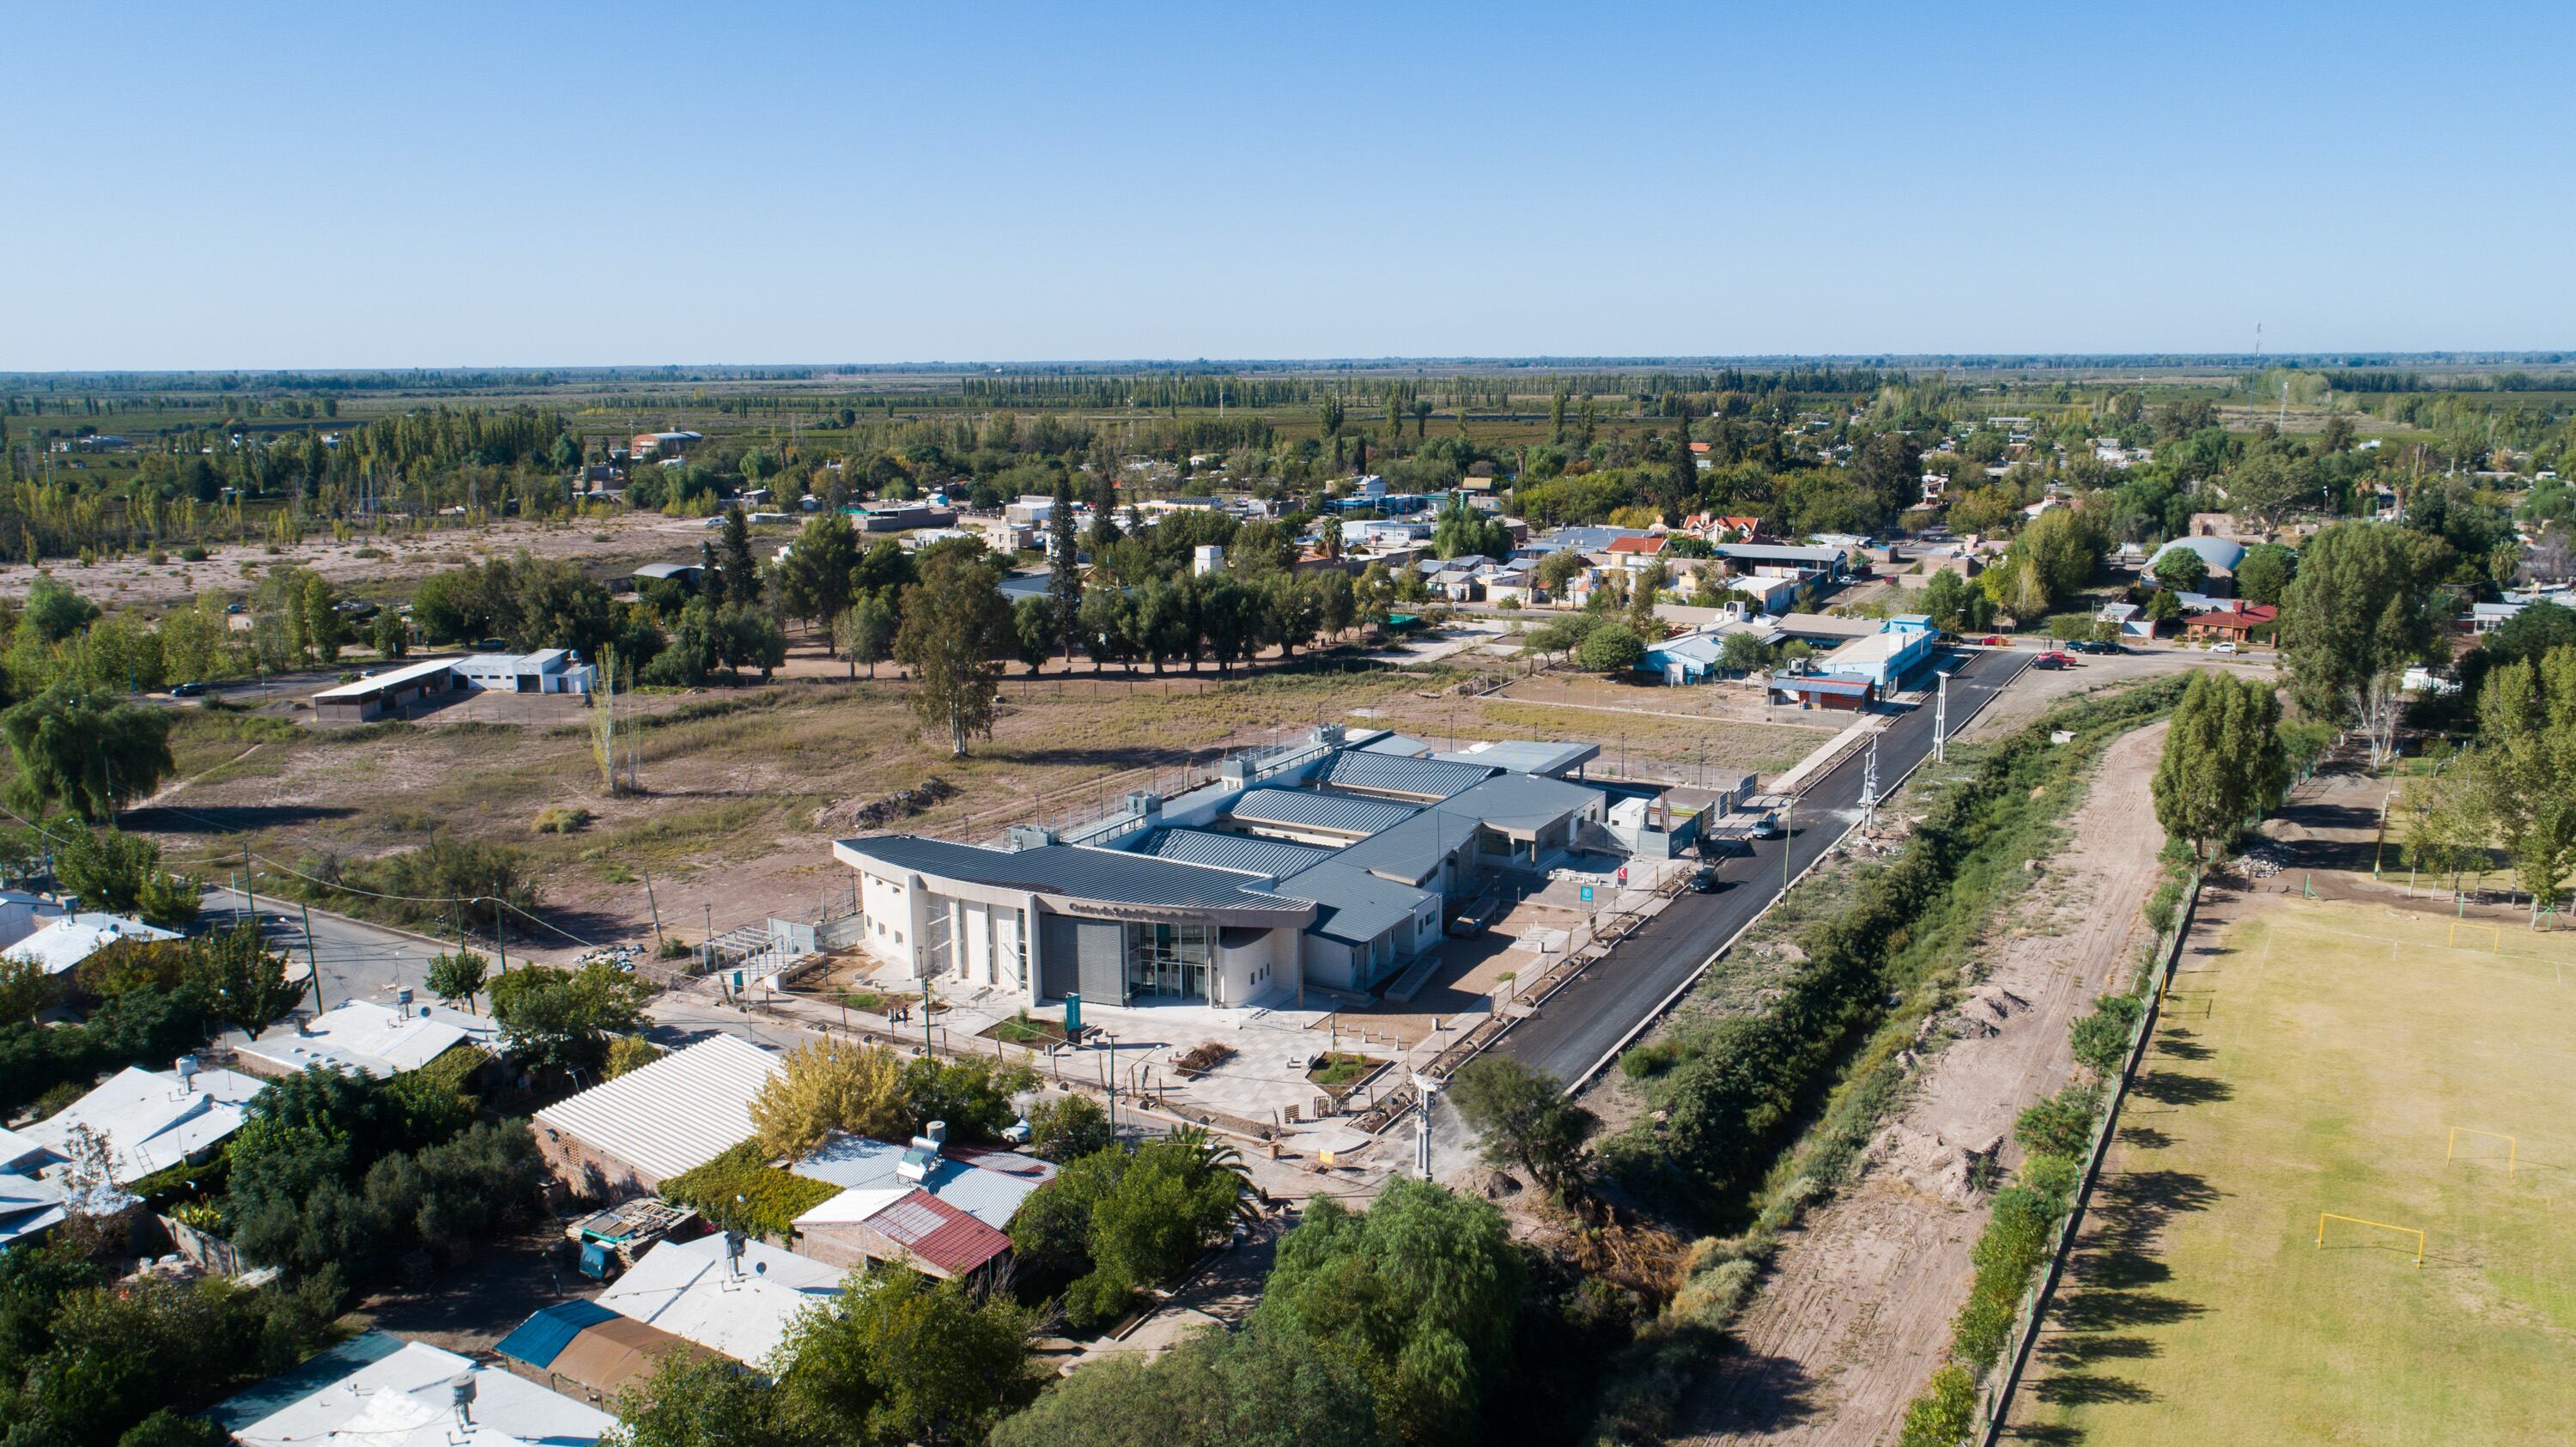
point(2062, 1124)
point(630, 1052)
point(562, 819)
point(192, 553)
point(2101, 1037)
point(2163, 907)
point(771, 1198)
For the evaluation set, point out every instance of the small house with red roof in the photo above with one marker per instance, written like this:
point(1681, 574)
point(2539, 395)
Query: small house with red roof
point(940, 1208)
point(2236, 624)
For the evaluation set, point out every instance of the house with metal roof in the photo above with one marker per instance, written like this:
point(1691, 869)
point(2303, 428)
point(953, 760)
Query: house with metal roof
point(366, 1038)
point(57, 945)
point(148, 1120)
point(941, 1209)
point(381, 1391)
point(723, 1292)
point(586, 1350)
point(626, 1136)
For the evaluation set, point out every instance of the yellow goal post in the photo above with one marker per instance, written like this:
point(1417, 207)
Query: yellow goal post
point(2512, 1147)
point(2324, 1216)
point(2495, 935)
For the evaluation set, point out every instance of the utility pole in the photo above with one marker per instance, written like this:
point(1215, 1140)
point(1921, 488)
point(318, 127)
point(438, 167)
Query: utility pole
point(1788, 840)
point(500, 938)
point(250, 896)
point(656, 908)
point(1941, 720)
point(1869, 786)
point(312, 961)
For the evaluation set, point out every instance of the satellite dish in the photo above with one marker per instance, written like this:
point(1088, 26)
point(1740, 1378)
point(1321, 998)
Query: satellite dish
point(760, 1268)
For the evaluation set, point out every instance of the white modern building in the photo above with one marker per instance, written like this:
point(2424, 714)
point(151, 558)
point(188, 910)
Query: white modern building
point(1326, 862)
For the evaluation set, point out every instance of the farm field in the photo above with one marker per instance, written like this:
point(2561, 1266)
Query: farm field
point(2316, 1057)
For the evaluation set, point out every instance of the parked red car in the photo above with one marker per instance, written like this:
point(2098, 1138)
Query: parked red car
point(1995, 640)
point(2052, 660)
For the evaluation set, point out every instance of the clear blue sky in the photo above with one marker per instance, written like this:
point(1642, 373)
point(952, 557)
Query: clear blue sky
point(271, 185)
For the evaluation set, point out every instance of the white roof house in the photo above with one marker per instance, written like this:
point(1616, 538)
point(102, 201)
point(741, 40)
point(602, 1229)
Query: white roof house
point(373, 1039)
point(151, 1119)
point(410, 1398)
point(740, 1308)
point(29, 1205)
point(679, 1112)
point(60, 944)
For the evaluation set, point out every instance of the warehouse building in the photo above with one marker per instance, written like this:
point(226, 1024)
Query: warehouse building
point(627, 1136)
point(398, 692)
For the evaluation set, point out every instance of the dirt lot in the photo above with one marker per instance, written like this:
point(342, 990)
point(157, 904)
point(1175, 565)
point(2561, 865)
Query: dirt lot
point(617, 544)
point(1858, 1308)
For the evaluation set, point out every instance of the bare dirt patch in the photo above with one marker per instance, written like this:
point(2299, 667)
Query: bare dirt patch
point(1859, 1303)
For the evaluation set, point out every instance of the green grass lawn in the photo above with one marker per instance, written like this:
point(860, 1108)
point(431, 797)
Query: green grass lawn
point(1341, 1068)
point(2318, 1063)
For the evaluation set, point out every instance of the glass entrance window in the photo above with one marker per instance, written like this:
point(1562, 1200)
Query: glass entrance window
point(1169, 959)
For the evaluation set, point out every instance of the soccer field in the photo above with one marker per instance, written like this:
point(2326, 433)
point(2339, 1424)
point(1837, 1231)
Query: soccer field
point(2316, 1058)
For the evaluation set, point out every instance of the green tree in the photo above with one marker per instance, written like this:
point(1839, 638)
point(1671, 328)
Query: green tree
point(629, 1053)
point(2360, 610)
point(457, 977)
point(1060, 1130)
point(1946, 1412)
point(1036, 630)
point(1262, 1386)
point(1743, 652)
point(2263, 575)
point(566, 1017)
point(86, 751)
point(2523, 770)
point(244, 982)
point(53, 611)
point(1525, 1120)
point(2060, 1124)
point(1418, 1297)
point(322, 627)
point(1611, 648)
point(700, 1401)
point(1064, 568)
point(389, 634)
point(956, 630)
point(2180, 568)
point(815, 581)
point(121, 874)
point(196, 644)
point(864, 633)
point(2222, 765)
point(737, 571)
point(901, 1359)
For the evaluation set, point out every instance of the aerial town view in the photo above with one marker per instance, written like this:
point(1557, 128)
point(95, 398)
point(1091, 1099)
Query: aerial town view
point(814, 726)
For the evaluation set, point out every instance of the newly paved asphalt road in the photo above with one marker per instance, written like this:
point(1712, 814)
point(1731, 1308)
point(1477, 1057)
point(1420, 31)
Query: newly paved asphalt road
point(1579, 1026)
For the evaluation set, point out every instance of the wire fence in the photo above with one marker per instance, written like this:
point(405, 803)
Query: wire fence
point(1995, 1394)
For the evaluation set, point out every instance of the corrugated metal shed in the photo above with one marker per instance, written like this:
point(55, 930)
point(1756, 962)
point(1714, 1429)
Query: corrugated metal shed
point(681, 1111)
point(1423, 779)
point(1332, 813)
point(1068, 870)
point(1270, 858)
point(542, 1337)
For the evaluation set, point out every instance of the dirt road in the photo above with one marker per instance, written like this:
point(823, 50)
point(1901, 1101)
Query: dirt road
point(1858, 1308)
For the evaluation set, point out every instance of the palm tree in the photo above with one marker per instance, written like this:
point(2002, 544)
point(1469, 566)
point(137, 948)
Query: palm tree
point(1218, 1156)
